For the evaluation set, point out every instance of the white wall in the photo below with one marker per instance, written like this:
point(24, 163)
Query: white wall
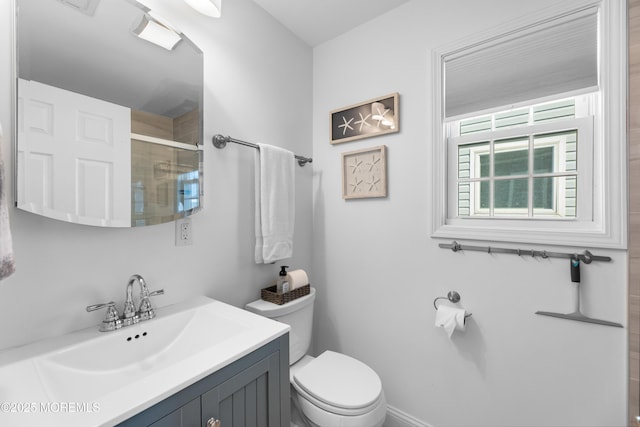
point(377, 271)
point(257, 87)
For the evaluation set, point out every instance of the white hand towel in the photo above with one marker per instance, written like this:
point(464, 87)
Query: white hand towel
point(7, 263)
point(450, 318)
point(275, 203)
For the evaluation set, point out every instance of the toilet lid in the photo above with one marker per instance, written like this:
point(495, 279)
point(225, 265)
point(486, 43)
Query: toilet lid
point(339, 381)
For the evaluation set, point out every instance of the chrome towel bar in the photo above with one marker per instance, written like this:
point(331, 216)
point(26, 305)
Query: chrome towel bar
point(220, 141)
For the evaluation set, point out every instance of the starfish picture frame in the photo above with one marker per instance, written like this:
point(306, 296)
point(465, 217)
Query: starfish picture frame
point(364, 173)
point(378, 116)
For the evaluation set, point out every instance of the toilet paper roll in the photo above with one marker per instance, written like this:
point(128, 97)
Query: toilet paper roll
point(297, 278)
point(450, 318)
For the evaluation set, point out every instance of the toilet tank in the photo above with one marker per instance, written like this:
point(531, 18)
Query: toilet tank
point(298, 314)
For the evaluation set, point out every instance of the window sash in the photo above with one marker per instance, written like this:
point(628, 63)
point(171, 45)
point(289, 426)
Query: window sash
point(532, 176)
point(584, 208)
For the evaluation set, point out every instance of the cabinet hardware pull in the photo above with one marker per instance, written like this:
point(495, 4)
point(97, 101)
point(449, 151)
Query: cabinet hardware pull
point(213, 423)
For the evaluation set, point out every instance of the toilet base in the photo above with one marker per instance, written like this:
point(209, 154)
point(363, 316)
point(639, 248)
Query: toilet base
point(309, 415)
point(297, 419)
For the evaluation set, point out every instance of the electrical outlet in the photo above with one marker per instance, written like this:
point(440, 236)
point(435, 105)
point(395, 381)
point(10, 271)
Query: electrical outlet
point(184, 232)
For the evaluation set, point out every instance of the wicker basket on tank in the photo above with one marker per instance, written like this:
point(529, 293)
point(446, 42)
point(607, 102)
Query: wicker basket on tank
point(270, 294)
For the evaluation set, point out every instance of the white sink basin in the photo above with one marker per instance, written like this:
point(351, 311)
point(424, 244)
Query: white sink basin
point(92, 368)
point(115, 375)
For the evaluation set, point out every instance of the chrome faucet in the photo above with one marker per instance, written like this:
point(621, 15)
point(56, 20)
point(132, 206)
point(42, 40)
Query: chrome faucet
point(130, 315)
point(144, 311)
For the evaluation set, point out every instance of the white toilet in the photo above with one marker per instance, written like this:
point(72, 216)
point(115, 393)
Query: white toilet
point(331, 390)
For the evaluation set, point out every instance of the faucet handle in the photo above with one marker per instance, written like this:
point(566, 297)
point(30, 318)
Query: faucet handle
point(145, 312)
point(112, 320)
point(129, 314)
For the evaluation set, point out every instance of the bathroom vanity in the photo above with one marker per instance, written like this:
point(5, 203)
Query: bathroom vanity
point(196, 361)
point(251, 391)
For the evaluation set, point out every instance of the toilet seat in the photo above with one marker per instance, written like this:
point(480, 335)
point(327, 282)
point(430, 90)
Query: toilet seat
point(339, 384)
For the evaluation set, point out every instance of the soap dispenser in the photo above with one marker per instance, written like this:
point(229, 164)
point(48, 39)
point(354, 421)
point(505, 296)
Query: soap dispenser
point(282, 285)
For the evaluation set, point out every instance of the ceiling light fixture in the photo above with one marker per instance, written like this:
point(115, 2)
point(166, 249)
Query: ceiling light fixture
point(152, 31)
point(212, 8)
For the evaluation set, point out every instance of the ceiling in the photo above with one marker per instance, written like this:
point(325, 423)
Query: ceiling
point(52, 43)
point(98, 55)
point(316, 21)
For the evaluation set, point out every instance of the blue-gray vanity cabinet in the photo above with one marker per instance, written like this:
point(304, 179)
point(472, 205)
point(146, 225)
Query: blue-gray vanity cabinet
point(252, 391)
point(186, 416)
point(244, 399)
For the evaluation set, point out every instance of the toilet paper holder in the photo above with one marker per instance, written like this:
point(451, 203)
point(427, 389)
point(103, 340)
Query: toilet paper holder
point(452, 296)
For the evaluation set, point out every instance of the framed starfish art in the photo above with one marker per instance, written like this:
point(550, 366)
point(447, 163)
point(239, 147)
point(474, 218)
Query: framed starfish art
point(374, 117)
point(364, 173)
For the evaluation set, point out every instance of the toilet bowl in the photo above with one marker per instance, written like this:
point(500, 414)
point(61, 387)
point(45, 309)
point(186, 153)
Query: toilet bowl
point(333, 389)
point(337, 390)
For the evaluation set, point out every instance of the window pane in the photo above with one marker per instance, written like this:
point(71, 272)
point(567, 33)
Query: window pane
point(480, 197)
point(554, 111)
point(463, 162)
point(511, 194)
point(570, 185)
point(543, 160)
point(543, 192)
point(512, 118)
point(470, 160)
point(477, 124)
point(555, 196)
point(484, 195)
point(564, 146)
point(485, 165)
point(511, 157)
point(464, 196)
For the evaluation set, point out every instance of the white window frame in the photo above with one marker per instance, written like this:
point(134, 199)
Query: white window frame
point(607, 227)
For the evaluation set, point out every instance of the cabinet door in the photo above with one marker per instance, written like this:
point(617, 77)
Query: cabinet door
point(249, 399)
point(186, 416)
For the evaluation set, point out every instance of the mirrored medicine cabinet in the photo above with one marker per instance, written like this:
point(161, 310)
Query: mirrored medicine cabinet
point(108, 125)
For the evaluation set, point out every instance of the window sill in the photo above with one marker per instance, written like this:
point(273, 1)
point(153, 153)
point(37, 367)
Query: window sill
point(565, 233)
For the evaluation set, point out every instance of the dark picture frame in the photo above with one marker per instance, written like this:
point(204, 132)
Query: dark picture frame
point(377, 116)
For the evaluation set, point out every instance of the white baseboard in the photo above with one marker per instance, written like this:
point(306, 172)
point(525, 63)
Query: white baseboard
point(397, 418)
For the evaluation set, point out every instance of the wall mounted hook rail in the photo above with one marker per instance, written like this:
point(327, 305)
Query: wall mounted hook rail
point(586, 256)
point(220, 141)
